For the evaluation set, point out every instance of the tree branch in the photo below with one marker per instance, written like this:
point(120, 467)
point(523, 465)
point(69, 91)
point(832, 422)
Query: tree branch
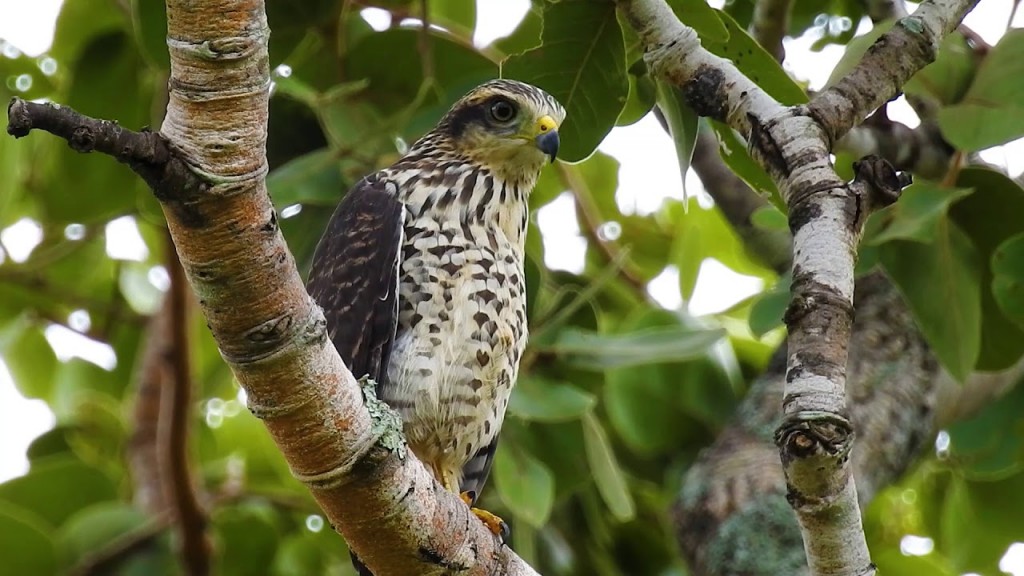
point(143, 448)
point(826, 218)
point(920, 150)
point(207, 166)
point(173, 431)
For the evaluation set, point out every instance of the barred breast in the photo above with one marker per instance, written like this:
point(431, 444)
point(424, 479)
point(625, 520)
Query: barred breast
point(462, 314)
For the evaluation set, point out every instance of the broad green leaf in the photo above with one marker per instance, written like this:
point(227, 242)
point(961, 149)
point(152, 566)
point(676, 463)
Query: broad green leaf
point(917, 214)
point(527, 33)
point(1008, 278)
point(983, 216)
point(697, 14)
point(682, 126)
point(31, 361)
point(990, 444)
point(26, 543)
point(392, 88)
point(992, 111)
point(768, 218)
point(942, 284)
point(893, 562)
point(311, 178)
point(979, 522)
point(734, 152)
point(109, 60)
point(767, 311)
point(608, 477)
point(248, 535)
point(455, 15)
point(544, 400)
point(149, 20)
point(95, 527)
point(79, 22)
point(641, 99)
point(77, 484)
point(525, 485)
point(971, 126)
point(582, 63)
point(755, 62)
point(603, 351)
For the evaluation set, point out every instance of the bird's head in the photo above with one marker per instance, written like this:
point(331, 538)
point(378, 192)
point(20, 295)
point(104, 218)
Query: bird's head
point(509, 126)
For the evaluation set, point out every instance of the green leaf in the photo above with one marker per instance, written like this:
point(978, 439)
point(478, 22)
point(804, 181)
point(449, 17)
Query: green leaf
point(95, 527)
point(248, 535)
point(608, 477)
point(149, 20)
point(992, 111)
point(26, 545)
point(78, 23)
point(979, 521)
point(766, 313)
point(525, 485)
point(755, 62)
point(582, 63)
point(543, 400)
point(768, 218)
point(109, 60)
point(1008, 278)
point(460, 13)
point(942, 284)
point(312, 178)
point(982, 216)
point(989, 445)
point(682, 126)
point(917, 214)
point(77, 484)
point(697, 14)
point(641, 99)
point(734, 153)
point(895, 563)
point(596, 351)
point(31, 361)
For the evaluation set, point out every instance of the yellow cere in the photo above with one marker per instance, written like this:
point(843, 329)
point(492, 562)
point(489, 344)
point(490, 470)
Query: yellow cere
point(546, 124)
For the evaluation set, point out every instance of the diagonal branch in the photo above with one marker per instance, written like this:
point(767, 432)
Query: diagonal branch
point(207, 167)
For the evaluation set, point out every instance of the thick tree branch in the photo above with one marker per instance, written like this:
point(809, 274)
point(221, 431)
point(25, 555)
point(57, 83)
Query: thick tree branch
point(173, 429)
point(899, 397)
point(826, 218)
point(887, 65)
point(207, 167)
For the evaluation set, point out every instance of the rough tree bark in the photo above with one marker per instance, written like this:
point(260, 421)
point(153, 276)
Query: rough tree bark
point(826, 219)
point(207, 166)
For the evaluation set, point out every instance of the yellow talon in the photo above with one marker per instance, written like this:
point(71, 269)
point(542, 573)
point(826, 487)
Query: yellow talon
point(494, 523)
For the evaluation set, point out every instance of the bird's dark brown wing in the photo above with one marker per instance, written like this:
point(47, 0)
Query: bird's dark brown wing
point(354, 277)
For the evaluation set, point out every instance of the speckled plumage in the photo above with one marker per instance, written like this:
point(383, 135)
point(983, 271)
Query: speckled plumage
point(449, 363)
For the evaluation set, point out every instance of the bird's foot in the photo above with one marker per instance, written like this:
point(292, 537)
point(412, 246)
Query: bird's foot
point(494, 523)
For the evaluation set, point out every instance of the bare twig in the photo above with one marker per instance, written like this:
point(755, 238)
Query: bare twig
point(173, 431)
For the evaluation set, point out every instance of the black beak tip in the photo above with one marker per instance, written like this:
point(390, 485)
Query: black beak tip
point(548, 144)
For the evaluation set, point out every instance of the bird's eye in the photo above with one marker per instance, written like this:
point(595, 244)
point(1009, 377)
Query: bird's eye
point(503, 111)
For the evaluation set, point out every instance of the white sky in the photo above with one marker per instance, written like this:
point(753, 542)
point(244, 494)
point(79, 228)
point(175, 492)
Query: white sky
point(649, 173)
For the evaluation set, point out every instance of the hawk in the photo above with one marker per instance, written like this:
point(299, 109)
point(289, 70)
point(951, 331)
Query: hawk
point(420, 276)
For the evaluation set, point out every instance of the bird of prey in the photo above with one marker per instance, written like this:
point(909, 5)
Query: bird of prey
point(420, 276)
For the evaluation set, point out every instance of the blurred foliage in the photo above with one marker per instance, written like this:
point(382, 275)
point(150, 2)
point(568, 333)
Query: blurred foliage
point(617, 395)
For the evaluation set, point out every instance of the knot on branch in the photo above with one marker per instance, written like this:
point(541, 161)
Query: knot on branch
point(877, 177)
point(811, 434)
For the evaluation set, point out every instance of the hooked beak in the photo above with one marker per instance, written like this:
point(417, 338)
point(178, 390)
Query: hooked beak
point(547, 137)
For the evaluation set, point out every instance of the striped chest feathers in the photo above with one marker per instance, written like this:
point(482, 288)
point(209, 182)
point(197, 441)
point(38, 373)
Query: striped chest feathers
point(462, 304)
